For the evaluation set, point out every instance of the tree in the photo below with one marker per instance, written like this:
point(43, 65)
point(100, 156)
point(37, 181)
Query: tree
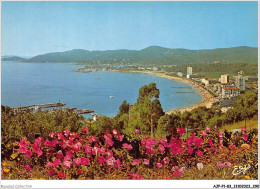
point(124, 108)
point(101, 125)
point(145, 114)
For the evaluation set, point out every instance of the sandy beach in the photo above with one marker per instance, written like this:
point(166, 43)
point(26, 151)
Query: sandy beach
point(207, 101)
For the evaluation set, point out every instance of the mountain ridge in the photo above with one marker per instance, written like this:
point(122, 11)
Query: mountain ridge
point(151, 55)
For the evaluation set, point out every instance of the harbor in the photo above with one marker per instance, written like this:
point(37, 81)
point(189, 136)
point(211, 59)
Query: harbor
point(37, 107)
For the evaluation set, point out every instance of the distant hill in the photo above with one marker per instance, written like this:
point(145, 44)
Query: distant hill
point(153, 55)
point(13, 58)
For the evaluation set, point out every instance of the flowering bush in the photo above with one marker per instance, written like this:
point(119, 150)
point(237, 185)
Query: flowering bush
point(70, 155)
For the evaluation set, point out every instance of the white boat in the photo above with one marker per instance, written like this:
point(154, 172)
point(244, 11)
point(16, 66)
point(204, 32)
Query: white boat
point(111, 96)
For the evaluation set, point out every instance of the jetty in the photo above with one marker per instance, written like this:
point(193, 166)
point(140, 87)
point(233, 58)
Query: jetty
point(83, 111)
point(84, 70)
point(35, 107)
point(182, 87)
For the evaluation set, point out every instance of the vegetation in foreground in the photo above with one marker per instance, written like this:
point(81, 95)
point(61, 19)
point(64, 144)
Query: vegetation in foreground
point(141, 142)
point(209, 154)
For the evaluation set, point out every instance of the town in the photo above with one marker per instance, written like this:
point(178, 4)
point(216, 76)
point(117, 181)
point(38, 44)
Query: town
point(224, 89)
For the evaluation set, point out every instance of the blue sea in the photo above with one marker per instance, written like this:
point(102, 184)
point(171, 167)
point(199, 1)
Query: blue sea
point(39, 83)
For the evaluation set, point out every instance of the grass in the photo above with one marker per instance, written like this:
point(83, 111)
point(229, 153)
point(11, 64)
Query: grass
point(250, 124)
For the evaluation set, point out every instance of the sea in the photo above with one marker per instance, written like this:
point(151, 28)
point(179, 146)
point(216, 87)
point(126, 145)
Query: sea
point(25, 84)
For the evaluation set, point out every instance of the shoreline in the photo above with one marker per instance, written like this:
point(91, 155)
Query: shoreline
point(207, 100)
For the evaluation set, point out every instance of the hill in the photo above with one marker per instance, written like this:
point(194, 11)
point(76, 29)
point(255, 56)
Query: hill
point(14, 58)
point(153, 55)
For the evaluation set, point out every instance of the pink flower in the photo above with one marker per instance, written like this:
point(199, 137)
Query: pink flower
point(88, 149)
point(198, 142)
point(245, 137)
point(207, 129)
point(150, 151)
point(136, 176)
point(23, 149)
point(181, 131)
point(101, 151)
point(51, 134)
point(85, 129)
point(67, 164)
point(146, 162)
point(244, 129)
point(203, 133)
point(39, 152)
point(114, 132)
point(118, 163)
point(28, 153)
point(166, 160)
point(199, 153)
point(227, 164)
point(161, 148)
point(181, 170)
point(38, 140)
point(84, 161)
point(121, 137)
point(49, 164)
point(101, 159)
point(56, 163)
point(66, 132)
point(76, 147)
point(220, 134)
point(77, 161)
point(94, 151)
point(159, 165)
point(136, 162)
point(110, 161)
point(127, 146)
point(220, 165)
point(176, 174)
point(61, 175)
point(190, 150)
point(79, 171)
point(59, 155)
point(215, 127)
point(232, 147)
point(110, 142)
point(92, 139)
point(28, 167)
point(23, 143)
point(136, 131)
point(51, 172)
point(109, 153)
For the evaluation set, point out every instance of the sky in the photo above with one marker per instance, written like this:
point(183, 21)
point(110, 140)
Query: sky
point(32, 28)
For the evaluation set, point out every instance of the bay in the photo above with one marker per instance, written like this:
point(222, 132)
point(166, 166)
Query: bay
point(39, 83)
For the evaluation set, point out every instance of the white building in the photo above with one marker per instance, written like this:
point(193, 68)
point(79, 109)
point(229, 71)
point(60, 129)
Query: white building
point(240, 82)
point(180, 74)
point(189, 72)
point(205, 81)
point(230, 92)
point(224, 79)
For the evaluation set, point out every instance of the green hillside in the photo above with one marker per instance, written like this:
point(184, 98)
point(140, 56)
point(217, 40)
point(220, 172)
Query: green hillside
point(153, 55)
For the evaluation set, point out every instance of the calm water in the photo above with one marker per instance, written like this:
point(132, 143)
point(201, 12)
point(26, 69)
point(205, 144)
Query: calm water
point(39, 83)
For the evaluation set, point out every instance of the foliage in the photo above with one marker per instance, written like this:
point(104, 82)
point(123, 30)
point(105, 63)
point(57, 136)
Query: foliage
point(206, 154)
point(27, 124)
point(144, 115)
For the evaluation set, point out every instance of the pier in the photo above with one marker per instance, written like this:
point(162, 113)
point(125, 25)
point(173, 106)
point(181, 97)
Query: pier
point(83, 111)
point(32, 108)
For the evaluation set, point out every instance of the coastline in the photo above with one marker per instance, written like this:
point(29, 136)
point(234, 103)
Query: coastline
point(207, 100)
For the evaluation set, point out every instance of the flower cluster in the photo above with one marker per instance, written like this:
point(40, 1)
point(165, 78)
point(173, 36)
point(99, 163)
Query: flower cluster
point(66, 154)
